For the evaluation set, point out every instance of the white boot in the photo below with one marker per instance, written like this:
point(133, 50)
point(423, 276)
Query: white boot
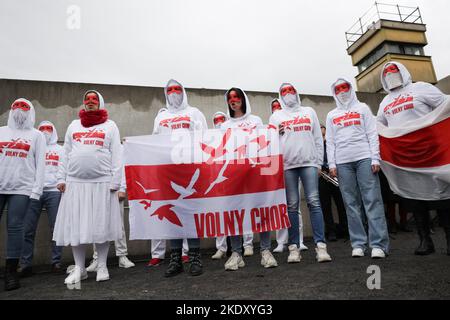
point(248, 251)
point(294, 254)
point(378, 253)
point(358, 253)
point(125, 263)
point(321, 253)
point(219, 255)
point(268, 260)
point(235, 262)
point(92, 266)
point(76, 275)
point(102, 273)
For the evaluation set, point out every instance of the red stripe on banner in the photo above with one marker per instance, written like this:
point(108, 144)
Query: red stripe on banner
point(426, 148)
point(169, 182)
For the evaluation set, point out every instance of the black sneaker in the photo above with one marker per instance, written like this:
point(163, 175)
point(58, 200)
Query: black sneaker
point(175, 265)
point(196, 267)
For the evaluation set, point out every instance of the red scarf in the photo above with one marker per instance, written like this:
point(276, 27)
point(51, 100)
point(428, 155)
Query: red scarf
point(93, 118)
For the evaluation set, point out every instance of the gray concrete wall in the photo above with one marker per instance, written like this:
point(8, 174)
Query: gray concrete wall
point(134, 110)
point(444, 85)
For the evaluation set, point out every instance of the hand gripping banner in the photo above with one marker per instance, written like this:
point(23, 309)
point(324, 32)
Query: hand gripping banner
point(205, 184)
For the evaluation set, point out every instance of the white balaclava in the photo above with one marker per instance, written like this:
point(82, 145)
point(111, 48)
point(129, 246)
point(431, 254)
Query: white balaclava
point(344, 97)
point(392, 77)
point(175, 96)
point(21, 115)
point(49, 131)
point(289, 97)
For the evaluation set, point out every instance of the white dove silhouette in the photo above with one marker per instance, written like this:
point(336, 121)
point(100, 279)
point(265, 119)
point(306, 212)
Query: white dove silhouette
point(189, 190)
point(220, 178)
point(146, 191)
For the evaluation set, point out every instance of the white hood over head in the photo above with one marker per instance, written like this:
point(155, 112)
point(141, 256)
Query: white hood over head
point(100, 98)
point(248, 108)
point(173, 108)
point(404, 73)
point(54, 136)
point(352, 98)
point(22, 120)
point(283, 100)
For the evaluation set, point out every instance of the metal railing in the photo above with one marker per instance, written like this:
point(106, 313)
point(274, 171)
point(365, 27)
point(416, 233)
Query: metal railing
point(382, 11)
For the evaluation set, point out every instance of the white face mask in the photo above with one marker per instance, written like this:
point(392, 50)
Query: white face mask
point(393, 80)
point(48, 136)
point(290, 100)
point(175, 100)
point(20, 117)
point(344, 97)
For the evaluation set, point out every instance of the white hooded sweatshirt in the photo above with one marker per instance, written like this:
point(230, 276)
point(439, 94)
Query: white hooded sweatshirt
point(181, 116)
point(246, 121)
point(408, 102)
point(351, 131)
point(22, 155)
point(217, 114)
point(302, 142)
point(92, 154)
point(54, 155)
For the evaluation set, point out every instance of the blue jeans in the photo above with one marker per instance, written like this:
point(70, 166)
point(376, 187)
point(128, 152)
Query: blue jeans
point(49, 200)
point(177, 244)
point(236, 242)
point(361, 189)
point(310, 180)
point(17, 208)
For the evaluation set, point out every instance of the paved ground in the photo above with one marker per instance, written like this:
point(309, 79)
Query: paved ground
point(403, 276)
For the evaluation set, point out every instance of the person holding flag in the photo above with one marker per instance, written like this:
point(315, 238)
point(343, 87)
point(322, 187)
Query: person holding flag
point(413, 122)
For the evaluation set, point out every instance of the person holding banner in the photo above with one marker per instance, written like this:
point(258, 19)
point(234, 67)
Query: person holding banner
point(354, 157)
point(50, 200)
point(240, 116)
point(220, 118)
point(302, 146)
point(415, 153)
point(89, 178)
point(180, 116)
point(22, 174)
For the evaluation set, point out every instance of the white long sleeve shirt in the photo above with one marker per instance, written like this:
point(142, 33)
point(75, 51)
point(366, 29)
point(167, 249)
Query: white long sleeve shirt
point(351, 132)
point(92, 154)
point(409, 102)
point(22, 158)
point(302, 142)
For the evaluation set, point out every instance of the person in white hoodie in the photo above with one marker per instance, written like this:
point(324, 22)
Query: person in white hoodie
point(408, 101)
point(22, 170)
point(240, 116)
point(353, 152)
point(220, 118)
point(50, 200)
point(282, 235)
point(89, 177)
point(179, 116)
point(302, 147)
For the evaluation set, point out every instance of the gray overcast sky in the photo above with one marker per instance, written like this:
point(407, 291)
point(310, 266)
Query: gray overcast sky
point(254, 44)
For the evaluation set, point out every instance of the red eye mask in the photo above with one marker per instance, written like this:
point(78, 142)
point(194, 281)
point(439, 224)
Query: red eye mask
point(46, 128)
point(276, 106)
point(288, 90)
point(219, 119)
point(91, 98)
point(233, 97)
point(174, 89)
point(390, 69)
point(344, 87)
point(21, 105)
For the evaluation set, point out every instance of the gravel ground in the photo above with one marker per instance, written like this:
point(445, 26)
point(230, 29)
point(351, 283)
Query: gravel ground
point(403, 276)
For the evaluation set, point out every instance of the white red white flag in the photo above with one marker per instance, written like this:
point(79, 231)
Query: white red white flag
point(416, 157)
point(205, 184)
